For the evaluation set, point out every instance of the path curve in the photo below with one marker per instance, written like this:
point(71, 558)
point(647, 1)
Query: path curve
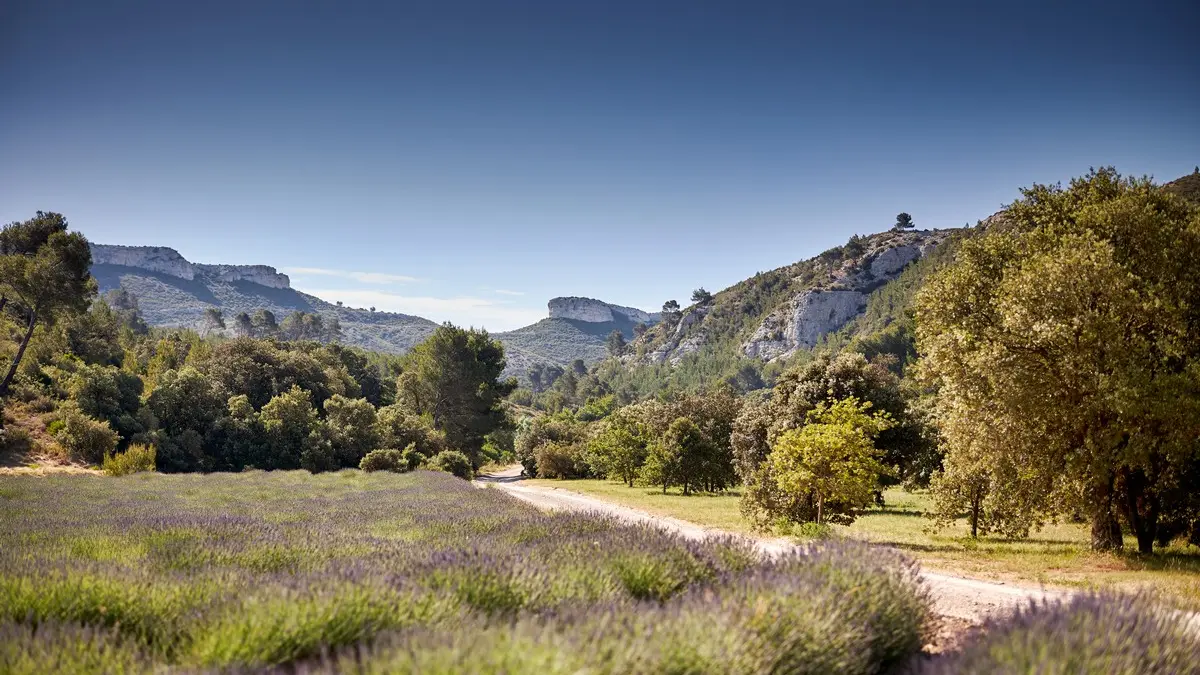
point(962, 598)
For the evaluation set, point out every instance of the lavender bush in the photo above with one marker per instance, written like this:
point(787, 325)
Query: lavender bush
point(415, 572)
point(1100, 634)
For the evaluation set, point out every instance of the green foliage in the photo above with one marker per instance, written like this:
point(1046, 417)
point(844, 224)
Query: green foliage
point(1064, 345)
point(397, 427)
point(136, 458)
point(904, 222)
point(454, 462)
point(563, 428)
point(562, 460)
point(832, 459)
point(454, 378)
point(289, 421)
point(617, 450)
point(43, 276)
point(384, 460)
point(615, 343)
point(701, 296)
point(109, 394)
point(84, 438)
point(351, 426)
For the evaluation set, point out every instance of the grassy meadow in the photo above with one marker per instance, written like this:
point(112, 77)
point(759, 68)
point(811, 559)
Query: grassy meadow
point(414, 573)
point(1058, 554)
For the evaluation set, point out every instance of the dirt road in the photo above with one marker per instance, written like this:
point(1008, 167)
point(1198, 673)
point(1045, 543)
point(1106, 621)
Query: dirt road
point(960, 598)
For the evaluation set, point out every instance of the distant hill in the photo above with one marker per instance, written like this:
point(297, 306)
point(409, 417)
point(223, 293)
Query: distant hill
point(172, 291)
point(1187, 187)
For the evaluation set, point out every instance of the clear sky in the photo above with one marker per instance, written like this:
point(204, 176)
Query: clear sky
point(467, 161)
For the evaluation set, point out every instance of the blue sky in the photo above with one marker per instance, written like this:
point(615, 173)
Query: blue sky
point(467, 161)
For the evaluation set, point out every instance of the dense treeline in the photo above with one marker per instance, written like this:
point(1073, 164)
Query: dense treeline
point(89, 379)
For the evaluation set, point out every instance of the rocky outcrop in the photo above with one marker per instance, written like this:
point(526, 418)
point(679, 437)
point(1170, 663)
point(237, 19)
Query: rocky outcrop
point(255, 274)
point(153, 258)
point(889, 262)
point(803, 322)
point(595, 311)
point(167, 261)
point(812, 313)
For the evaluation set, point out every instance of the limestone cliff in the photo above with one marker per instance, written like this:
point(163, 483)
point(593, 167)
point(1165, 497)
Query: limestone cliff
point(595, 311)
point(167, 261)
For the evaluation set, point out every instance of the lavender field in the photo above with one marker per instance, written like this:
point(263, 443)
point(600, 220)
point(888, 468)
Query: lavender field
point(414, 573)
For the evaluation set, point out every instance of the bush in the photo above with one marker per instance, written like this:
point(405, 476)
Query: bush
point(85, 438)
point(561, 460)
point(384, 460)
point(135, 459)
point(15, 440)
point(411, 458)
point(1092, 633)
point(452, 461)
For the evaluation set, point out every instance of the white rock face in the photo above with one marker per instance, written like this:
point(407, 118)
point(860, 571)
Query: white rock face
point(892, 260)
point(594, 311)
point(154, 258)
point(803, 322)
point(257, 274)
point(168, 261)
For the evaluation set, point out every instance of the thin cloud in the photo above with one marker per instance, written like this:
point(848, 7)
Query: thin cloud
point(502, 291)
point(496, 315)
point(377, 278)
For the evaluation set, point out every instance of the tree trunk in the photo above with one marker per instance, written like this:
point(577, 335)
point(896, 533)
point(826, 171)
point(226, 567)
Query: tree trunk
point(1106, 531)
point(1141, 510)
point(975, 504)
point(12, 369)
point(820, 509)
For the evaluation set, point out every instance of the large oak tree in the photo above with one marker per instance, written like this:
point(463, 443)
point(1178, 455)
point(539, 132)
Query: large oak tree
point(1064, 345)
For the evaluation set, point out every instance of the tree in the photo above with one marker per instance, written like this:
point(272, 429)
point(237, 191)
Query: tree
point(351, 428)
point(832, 459)
point(455, 379)
point(289, 421)
point(42, 281)
point(640, 328)
point(701, 296)
point(615, 343)
point(1064, 344)
point(243, 326)
point(214, 320)
point(535, 377)
point(579, 367)
point(398, 428)
point(678, 457)
point(129, 315)
point(618, 449)
point(903, 222)
point(263, 324)
point(670, 313)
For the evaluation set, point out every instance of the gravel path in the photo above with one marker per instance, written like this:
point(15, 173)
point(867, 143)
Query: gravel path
point(961, 598)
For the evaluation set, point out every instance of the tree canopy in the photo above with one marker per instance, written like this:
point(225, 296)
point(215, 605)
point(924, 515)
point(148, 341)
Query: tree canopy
point(1063, 345)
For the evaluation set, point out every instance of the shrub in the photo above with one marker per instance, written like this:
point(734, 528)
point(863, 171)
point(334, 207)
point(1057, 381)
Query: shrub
point(452, 461)
point(384, 460)
point(15, 440)
point(412, 458)
point(136, 458)
point(1091, 633)
point(561, 460)
point(85, 438)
